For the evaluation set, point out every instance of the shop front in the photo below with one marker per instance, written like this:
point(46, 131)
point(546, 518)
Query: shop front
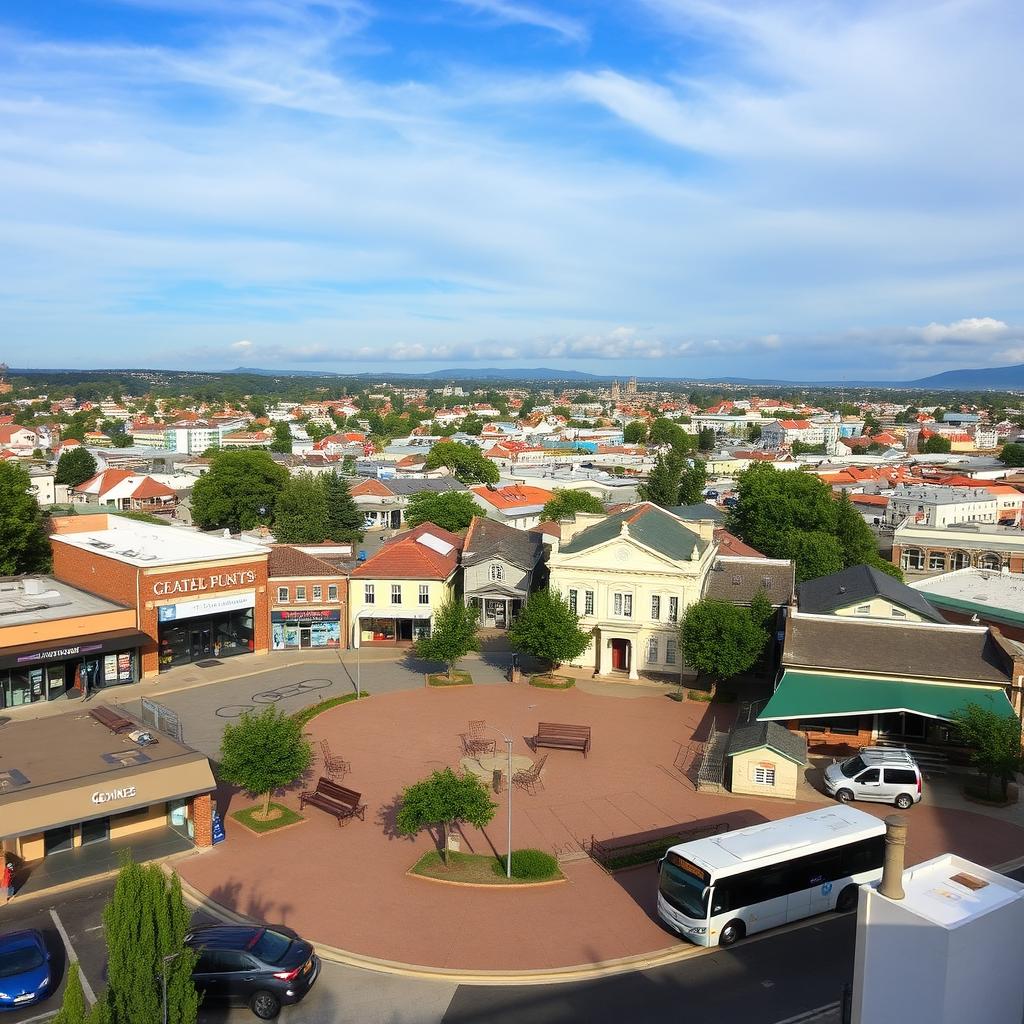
point(308, 628)
point(214, 627)
point(385, 631)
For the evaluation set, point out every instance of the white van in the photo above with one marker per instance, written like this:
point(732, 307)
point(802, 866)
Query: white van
point(888, 775)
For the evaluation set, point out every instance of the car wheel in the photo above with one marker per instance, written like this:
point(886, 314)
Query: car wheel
point(731, 933)
point(265, 1005)
point(904, 800)
point(844, 796)
point(847, 900)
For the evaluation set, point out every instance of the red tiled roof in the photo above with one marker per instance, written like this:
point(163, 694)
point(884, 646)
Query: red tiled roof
point(514, 496)
point(371, 487)
point(729, 544)
point(287, 561)
point(407, 557)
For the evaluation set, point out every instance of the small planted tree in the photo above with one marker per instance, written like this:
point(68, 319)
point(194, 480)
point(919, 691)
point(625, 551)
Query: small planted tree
point(262, 753)
point(547, 628)
point(996, 744)
point(720, 640)
point(442, 802)
point(567, 503)
point(73, 1009)
point(453, 634)
point(74, 467)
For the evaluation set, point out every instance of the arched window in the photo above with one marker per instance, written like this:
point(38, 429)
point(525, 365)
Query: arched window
point(990, 561)
point(497, 572)
point(937, 560)
point(913, 558)
point(959, 560)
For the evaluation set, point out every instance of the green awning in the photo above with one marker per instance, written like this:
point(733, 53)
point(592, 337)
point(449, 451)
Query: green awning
point(816, 695)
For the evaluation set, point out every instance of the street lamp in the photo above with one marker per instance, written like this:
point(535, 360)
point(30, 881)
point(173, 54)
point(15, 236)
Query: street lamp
point(508, 744)
point(163, 979)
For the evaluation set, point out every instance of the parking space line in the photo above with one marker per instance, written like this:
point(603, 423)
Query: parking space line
point(73, 957)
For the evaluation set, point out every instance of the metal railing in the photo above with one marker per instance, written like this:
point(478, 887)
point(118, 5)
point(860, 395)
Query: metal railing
point(162, 718)
point(616, 854)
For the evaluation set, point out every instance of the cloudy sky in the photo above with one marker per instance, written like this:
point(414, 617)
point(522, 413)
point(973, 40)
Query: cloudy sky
point(795, 188)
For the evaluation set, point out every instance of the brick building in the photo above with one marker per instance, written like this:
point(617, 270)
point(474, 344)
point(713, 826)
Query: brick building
point(308, 597)
point(922, 550)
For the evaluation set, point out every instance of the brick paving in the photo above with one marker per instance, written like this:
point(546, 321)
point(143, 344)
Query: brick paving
point(348, 888)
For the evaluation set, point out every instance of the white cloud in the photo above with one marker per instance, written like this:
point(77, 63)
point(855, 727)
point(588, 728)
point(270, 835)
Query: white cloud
point(976, 329)
point(512, 12)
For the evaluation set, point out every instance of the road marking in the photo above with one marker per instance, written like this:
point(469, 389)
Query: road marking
point(809, 1015)
point(49, 1015)
point(94, 928)
point(73, 957)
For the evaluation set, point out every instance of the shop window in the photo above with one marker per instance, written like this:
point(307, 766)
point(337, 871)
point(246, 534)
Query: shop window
point(283, 595)
point(332, 592)
point(959, 560)
point(937, 560)
point(368, 593)
point(424, 593)
point(913, 558)
point(396, 593)
point(318, 593)
point(990, 561)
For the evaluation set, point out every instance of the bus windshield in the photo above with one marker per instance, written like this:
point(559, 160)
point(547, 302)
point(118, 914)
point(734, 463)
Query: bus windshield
point(683, 891)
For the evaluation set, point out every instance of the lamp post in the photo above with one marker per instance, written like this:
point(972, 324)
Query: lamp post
point(163, 980)
point(508, 786)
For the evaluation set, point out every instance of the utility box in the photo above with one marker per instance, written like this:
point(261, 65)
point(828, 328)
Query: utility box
point(948, 952)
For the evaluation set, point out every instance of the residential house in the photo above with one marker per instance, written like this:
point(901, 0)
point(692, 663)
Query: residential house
point(308, 599)
point(518, 505)
point(383, 501)
point(125, 491)
point(862, 591)
point(500, 567)
point(17, 438)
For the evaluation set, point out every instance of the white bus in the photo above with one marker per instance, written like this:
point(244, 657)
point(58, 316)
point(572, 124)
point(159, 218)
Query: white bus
point(714, 891)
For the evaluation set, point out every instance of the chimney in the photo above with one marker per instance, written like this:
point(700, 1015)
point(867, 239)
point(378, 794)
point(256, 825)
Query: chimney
point(895, 847)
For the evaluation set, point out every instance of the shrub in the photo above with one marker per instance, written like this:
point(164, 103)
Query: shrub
point(552, 682)
point(529, 864)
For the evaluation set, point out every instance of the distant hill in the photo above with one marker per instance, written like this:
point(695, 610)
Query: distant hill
point(524, 373)
point(996, 378)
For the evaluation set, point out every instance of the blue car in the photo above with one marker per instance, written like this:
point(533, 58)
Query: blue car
point(24, 969)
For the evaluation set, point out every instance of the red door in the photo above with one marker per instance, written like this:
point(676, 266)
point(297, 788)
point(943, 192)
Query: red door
point(620, 655)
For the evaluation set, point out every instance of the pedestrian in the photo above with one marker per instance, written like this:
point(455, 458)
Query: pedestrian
point(7, 882)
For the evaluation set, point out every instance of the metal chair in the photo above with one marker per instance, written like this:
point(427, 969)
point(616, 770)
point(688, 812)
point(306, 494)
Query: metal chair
point(474, 742)
point(528, 778)
point(333, 765)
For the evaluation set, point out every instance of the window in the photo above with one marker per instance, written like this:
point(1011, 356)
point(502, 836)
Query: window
point(656, 607)
point(937, 560)
point(871, 775)
point(588, 602)
point(764, 776)
point(573, 596)
point(424, 593)
point(990, 561)
point(396, 593)
point(652, 649)
point(282, 594)
point(670, 651)
point(300, 593)
point(673, 609)
point(332, 592)
point(959, 560)
point(497, 572)
point(622, 605)
point(863, 609)
point(897, 613)
point(913, 558)
point(318, 593)
point(368, 595)
point(901, 776)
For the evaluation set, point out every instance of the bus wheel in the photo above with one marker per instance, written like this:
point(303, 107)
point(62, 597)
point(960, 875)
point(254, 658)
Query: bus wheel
point(730, 933)
point(847, 900)
point(844, 796)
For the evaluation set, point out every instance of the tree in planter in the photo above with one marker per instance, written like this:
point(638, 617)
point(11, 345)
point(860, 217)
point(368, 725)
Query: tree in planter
point(262, 753)
point(549, 629)
point(453, 634)
point(444, 801)
point(566, 503)
point(720, 640)
point(74, 467)
point(996, 744)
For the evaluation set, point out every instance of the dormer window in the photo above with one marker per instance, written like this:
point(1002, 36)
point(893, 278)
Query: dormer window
point(497, 572)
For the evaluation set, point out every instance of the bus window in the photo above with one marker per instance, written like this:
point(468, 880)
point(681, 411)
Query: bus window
point(683, 891)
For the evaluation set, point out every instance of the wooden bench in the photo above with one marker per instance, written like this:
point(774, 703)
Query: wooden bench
point(111, 719)
point(565, 737)
point(334, 799)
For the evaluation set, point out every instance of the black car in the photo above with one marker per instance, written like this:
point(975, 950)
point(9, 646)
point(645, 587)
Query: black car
point(245, 965)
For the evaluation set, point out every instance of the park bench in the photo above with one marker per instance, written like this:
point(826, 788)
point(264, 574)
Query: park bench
point(565, 737)
point(334, 799)
point(111, 719)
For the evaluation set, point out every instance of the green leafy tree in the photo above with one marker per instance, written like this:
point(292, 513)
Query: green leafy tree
point(753, 431)
point(663, 482)
point(282, 442)
point(995, 742)
point(24, 544)
point(465, 462)
point(74, 467)
point(444, 801)
point(566, 503)
point(240, 492)
point(145, 921)
point(801, 448)
point(73, 1009)
point(263, 752)
point(720, 640)
point(472, 424)
point(451, 510)
point(453, 634)
point(664, 431)
point(692, 480)
point(762, 611)
point(547, 628)
point(936, 445)
point(344, 519)
point(1012, 455)
point(301, 515)
point(706, 439)
point(635, 432)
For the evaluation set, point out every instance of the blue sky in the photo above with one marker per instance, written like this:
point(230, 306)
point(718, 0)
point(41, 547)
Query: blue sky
point(686, 187)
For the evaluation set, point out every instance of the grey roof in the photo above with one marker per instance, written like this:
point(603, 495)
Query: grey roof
point(438, 485)
point(790, 745)
point(881, 648)
point(652, 526)
point(489, 538)
point(737, 581)
point(702, 510)
point(825, 594)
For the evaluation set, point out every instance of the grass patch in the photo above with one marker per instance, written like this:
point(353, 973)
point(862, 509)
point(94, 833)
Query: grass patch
point(478, 868)
point(306, 714)
point(676, 695)
point(287, 817)
point(706, 697)
point(552, 682)
point(457, 679)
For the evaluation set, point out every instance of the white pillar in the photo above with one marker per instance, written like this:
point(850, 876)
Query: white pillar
point(633, 673)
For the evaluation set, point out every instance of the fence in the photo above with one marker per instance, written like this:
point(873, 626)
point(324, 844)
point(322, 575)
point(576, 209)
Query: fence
point(161, 718)
point(615, 854)
point(711, 773)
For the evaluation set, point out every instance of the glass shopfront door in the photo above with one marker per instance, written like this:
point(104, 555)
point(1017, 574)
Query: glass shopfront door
point(201, 642)
point(95, 831)
point(59, 840)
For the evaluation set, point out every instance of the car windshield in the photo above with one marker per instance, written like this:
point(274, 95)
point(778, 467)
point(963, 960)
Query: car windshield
point(683, 891)
point(270, 946)
point(20, 960)
point(853, 766)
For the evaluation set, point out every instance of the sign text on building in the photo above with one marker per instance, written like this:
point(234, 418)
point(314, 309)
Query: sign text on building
point(104, 797)
point(199, 584)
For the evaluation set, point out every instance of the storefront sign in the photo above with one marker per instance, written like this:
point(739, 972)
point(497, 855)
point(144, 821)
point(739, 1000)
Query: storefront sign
point(198, 584)
point(104, 797)
point(206, 606)
point(59, 653)
point(307, 615)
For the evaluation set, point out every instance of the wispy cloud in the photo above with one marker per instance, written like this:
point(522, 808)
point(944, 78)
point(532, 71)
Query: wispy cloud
point(513, 12)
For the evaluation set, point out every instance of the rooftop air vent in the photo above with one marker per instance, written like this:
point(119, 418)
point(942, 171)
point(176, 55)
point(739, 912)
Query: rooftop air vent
point(11, 778)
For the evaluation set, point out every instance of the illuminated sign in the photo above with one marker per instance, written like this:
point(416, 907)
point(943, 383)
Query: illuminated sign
point(199, 584)
point(125, 793)
point(691, 869)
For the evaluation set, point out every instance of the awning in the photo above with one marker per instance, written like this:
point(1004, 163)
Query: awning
point(26, 655)
point(817, 695)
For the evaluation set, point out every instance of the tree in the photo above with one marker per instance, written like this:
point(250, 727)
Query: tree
point(463, 461)
point(263, 752)
point(720, 640)
point(240, 491)
point(663, 482)
point(145, 921)
point(664, 431)
point(995, 741)
point(635, 432)
point(282, 442)
point(802, 448)
point(706, 439)
point(753, 431)
point(451, 510)
point(444, 801)
point(453, 634)
point(1012, 455)
point(74, 467)
point(24, 544)
point(762, 611)
point(692, 481)
point(566, 503)
point(472, 424)
point(344, 518)
point(73, 1009)
point(301, 514)
point(549, 629)
point(936, 445)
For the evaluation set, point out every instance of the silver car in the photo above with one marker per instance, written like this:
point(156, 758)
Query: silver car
point(888, 775)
